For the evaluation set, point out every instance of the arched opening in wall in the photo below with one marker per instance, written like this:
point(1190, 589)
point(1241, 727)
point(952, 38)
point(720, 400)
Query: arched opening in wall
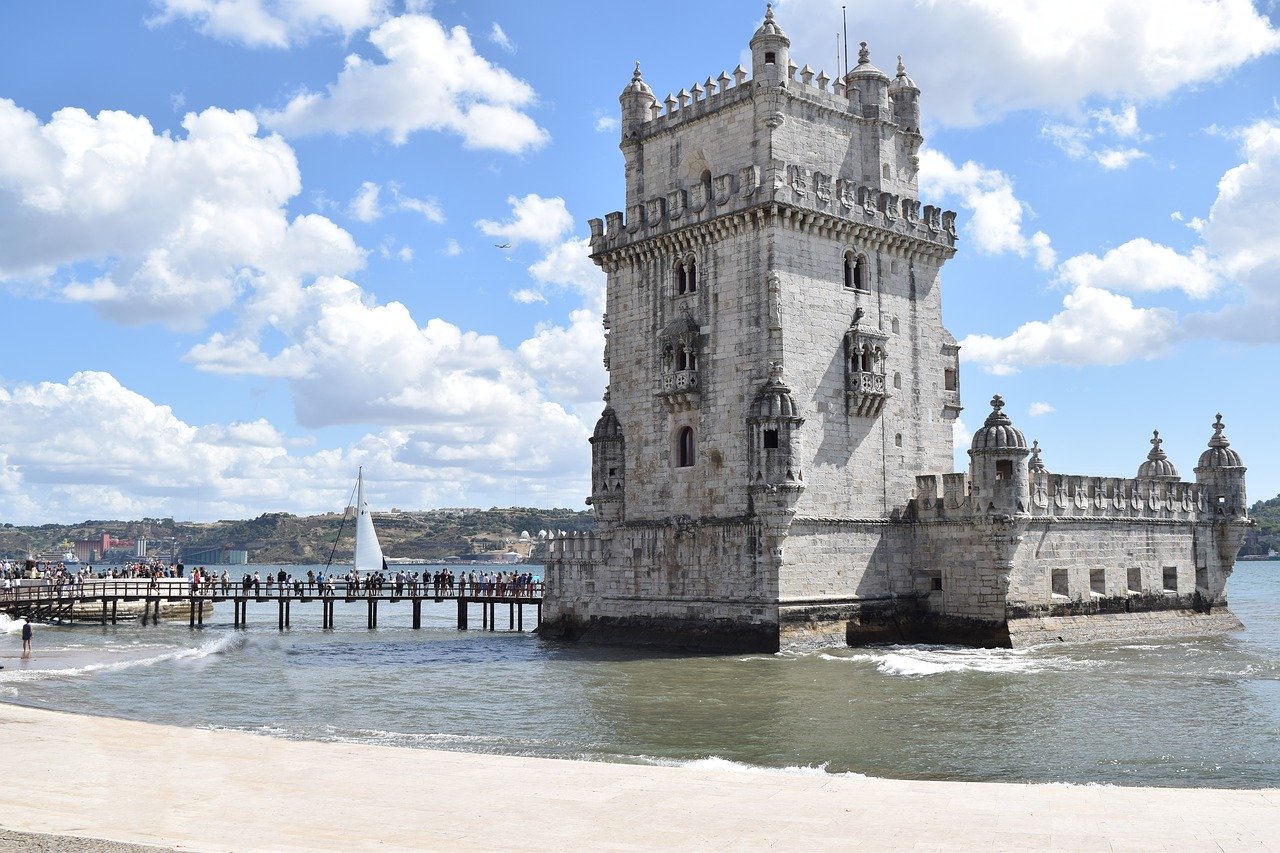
point(769, 57)
point(706, 189)
point(691, 271)
point(770, 439)
point(850, 262)
point(886, 171)
point(864, 360)
point(682, 279)
point(949, 379)
point(682, 358)
point(897, 440)
point(895, 325)
point(684, 447)
point(862, 273)
point(897, 381)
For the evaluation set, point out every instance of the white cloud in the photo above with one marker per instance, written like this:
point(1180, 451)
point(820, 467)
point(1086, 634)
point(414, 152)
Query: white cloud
point(429, 79)
point(272, 23)
point(606, 124)
point(1094, 327)
point(1079, 140)
point(1240, 234)
point(154, 227)
point(569, 360)
point(996, 224)
point(979, 60)
point(1037, 409)
point(534, 219)
point(452, 248)
point(136, 458)
point(499, 37)
point(405, 254)
point(364, 205)
point(528, 295)
point(1141, 266)
point(428, 208)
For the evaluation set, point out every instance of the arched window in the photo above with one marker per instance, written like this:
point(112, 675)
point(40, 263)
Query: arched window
point(684, 448)
point(862, 273)
point(865, 362)
point(692, 275)
point(850, 262)
point(682, 279)
point(886, 171)
point(682, 359)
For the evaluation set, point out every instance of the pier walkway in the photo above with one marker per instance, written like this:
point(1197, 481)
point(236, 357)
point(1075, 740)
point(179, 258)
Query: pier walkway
point(99, 600)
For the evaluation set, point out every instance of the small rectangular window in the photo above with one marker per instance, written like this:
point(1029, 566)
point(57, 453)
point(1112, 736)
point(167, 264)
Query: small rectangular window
point(1004, 469)
point(771, 439)
point(1058, 582)
point(935, 583)
point(1202, 578)
point(1098, 581)
point(1135, 580)
point(1170, 578)
point(948, 380)
point(769, 58)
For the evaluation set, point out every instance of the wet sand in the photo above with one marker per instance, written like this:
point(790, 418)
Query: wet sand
point(197, 789)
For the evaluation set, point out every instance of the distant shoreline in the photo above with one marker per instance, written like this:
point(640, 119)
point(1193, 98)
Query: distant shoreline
point(201, 789)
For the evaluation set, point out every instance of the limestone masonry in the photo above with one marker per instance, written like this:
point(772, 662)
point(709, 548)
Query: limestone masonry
point(781, 400)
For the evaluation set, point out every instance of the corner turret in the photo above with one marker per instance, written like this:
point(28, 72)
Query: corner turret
point(998, 465)
point(774, 453)
point(868, 87)
point(905, 98)
point(608, 471)
point(1220, 474)
point(770, 52)
point(637, 100)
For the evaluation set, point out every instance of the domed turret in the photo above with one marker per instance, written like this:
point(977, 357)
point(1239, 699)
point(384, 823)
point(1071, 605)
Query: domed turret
point(608, 471)
point(1158, 467)
point(773, 458)
point(770, 51)
point(906, 100)
point(636, 99)
point(1220, 474)
point(998, 470)
point(869, 86)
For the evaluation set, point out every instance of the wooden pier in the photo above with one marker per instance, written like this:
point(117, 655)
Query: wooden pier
point(71, 603)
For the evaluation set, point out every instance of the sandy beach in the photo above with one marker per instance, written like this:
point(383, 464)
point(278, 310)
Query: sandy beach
point(197, 789)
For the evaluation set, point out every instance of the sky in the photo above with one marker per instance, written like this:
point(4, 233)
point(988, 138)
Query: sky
point(248, 247)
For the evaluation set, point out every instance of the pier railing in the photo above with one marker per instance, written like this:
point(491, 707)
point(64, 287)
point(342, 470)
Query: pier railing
point(45, 601)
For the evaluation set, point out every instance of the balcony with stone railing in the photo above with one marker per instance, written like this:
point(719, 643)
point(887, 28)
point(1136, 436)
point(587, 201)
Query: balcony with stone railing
point(679, 390)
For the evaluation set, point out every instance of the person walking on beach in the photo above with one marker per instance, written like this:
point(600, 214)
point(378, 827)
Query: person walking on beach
point(26, 635)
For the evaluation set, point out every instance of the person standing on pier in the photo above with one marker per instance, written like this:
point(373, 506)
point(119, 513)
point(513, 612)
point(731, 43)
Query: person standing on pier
point(26, 635)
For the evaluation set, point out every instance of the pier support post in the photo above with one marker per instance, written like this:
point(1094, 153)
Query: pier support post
point(417, 613)
point(520, 616)
point(193, 611)
point(114, 602)
point(462, 613)
point(511, 616)
point(281, 603)
point(104, 611)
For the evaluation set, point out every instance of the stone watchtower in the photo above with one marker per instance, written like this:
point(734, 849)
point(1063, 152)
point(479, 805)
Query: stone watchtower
point(778, 369)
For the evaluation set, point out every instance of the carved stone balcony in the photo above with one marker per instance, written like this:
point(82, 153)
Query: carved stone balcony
point(679, 390)
point(867, 393)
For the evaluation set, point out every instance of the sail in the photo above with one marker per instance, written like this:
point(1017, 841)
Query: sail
point(368, 551)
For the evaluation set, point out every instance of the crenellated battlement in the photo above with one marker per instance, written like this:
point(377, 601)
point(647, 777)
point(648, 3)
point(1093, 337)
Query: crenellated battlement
point(573, 546)
point(952, 497)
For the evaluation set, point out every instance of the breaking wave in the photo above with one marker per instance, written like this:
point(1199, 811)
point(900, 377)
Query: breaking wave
point(215, 646)
point(920, 661)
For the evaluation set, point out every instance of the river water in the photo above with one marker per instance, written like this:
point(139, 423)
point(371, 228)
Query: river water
point(1190, 712)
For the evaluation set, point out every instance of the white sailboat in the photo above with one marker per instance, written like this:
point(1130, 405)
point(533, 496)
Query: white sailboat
point(368, 557)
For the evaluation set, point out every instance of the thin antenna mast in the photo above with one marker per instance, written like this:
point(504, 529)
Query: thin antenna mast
point(844, 18)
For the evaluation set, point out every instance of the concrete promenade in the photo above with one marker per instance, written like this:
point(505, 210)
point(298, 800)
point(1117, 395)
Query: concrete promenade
point(196, 789)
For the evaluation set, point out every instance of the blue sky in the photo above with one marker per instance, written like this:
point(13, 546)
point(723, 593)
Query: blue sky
point(249, 245)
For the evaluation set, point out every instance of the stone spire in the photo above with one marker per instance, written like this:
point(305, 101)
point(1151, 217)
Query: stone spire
point(1036, 465)
point(998, 431)
point(1219, 454)
point(1158, 466)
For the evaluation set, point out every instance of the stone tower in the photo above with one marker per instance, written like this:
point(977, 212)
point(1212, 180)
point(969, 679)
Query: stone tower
point(782, 396)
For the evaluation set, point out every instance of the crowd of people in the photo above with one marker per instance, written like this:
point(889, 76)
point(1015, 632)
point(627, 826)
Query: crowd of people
point(200, 580)
point(398, 584)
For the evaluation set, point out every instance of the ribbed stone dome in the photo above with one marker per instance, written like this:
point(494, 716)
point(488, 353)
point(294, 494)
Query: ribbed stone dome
point(1157, 466)
point(607, 426)
point(998, 432)
point(1219, 454)
point(637, 86)
point(770, 27)
point(774, 401)
point(864, 68)
point(902, 81)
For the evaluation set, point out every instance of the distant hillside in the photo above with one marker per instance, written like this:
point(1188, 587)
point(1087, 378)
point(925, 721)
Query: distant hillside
point(283, 538)
point(1266, 514)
